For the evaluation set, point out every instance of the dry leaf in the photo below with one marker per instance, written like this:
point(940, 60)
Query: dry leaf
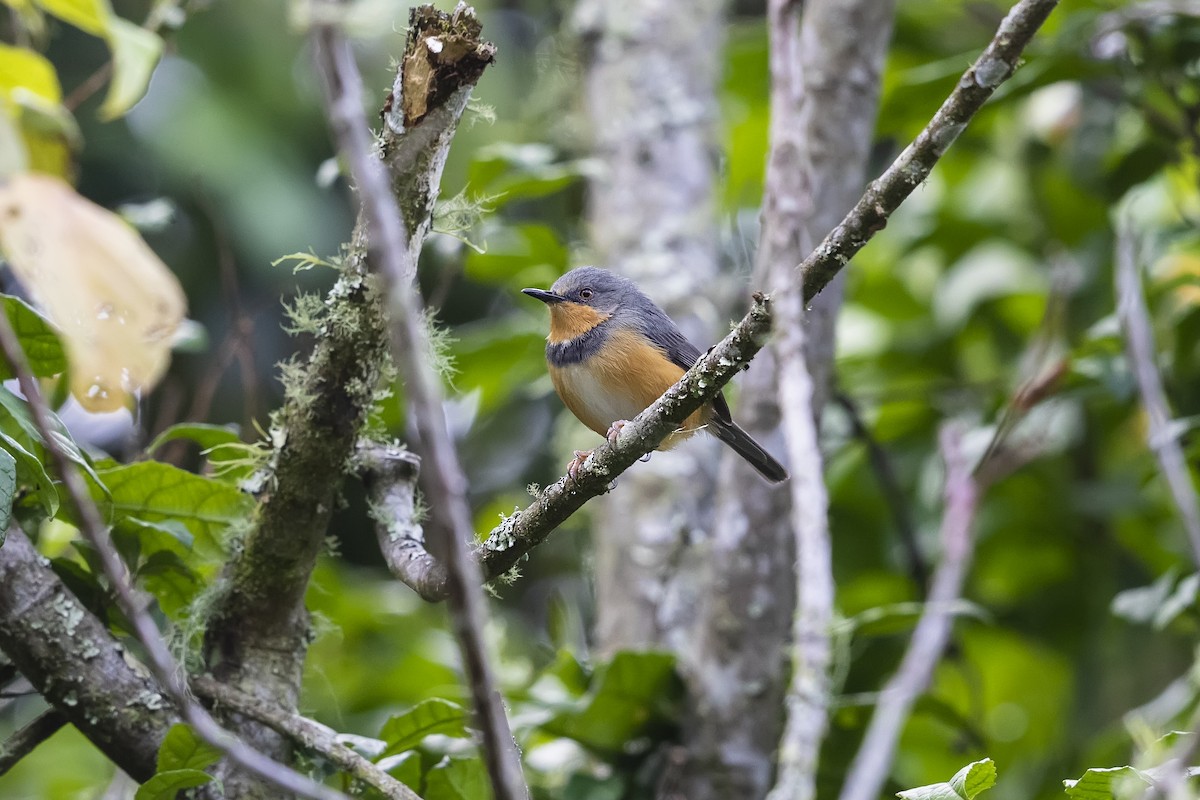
point(116, 304)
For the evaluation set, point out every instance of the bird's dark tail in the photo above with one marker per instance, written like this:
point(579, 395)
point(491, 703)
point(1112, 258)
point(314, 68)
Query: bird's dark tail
point(747, 448)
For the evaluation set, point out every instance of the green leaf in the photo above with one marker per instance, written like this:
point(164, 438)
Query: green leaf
point(965, 785)
point(457, 779)
point(38, 338)
point(166, 785)
point(30, 471)
point(182, 749)
point(202, 434)
point(1097, 784)
point(8, 488)
point(156, 492)
point(406, 731)
point(172, 582)
point(406, 768)
point(633, 697)
point(135, 53)
point(22, 439)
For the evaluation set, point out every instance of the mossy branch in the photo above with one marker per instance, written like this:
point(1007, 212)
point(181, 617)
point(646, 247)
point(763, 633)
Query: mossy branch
point(256, 624)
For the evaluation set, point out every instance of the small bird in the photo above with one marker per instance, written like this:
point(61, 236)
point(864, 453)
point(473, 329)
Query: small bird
point(612, 352)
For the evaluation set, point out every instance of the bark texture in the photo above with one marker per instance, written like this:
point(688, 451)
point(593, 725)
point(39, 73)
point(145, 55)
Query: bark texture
point(257, 629)
point(825, 78)
point(652, 71)
point(72, 660)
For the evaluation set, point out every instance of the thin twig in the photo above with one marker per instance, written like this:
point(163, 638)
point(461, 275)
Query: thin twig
point(446, 487)
point(23, 742)
point(309, 735)
point(1141, 352)
point(808, 694)
point(893, 494)
point(910, 170)
point(160, 661)
point(872, 763)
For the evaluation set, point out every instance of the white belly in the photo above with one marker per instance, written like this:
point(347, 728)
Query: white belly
point(590, 400)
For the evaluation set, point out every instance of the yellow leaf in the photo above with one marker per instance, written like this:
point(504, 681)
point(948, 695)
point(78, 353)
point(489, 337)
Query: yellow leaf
point(28, 70)
point(87, 15)
point(31, 99)
point(135, 52)
point(116, 303)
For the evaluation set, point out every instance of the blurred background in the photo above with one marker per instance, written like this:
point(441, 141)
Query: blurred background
point(1083, 593)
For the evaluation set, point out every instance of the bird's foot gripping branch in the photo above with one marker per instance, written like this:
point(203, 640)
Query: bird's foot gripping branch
point(514, 537)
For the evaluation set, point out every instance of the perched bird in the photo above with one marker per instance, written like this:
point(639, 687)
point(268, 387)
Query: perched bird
point(612, 352)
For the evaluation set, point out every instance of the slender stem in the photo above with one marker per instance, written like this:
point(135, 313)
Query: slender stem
point(444, 481)
point(1141, 352)
point(163, 666)
point(873, 761)
point(307, 734)
point(808, 694)
point(23, 742)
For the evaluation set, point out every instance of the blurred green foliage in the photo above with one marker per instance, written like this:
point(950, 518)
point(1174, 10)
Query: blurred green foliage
point(1076, 642)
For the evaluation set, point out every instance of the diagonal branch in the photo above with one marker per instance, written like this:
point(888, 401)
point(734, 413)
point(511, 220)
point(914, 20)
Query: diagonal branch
point(309, 735)
point(72, 660)
point(1141, 352)
point(394, 263)
point(514, 537)
point(885, 194)
point(872, 763)
point(163, 666)
point(24, 741)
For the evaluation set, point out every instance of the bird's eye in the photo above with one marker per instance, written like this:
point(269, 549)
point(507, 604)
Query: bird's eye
point(585, 294)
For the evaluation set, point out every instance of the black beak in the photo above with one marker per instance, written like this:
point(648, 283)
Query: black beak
point(544, 296)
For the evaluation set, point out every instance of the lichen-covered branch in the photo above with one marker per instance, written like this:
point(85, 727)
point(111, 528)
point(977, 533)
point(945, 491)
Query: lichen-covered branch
point(869, 216)
point(256, 629)
point(75, 664)
point(390, 475)
point(394, 263)
point(309, 735)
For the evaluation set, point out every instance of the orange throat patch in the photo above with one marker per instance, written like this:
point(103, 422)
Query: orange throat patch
point(570, 320)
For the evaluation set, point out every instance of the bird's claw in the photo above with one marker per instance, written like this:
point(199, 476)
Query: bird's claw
point(614, 430)
point(576, 463)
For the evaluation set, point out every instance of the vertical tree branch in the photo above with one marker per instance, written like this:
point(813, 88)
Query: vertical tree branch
point(1142, 355)
point(873, 762)
point(825, 67)
point(652, 71)
point(451, 516)
point(256, 631)
point(808, 694)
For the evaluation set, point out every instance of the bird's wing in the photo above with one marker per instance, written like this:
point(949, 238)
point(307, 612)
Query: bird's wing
point(683, 354)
